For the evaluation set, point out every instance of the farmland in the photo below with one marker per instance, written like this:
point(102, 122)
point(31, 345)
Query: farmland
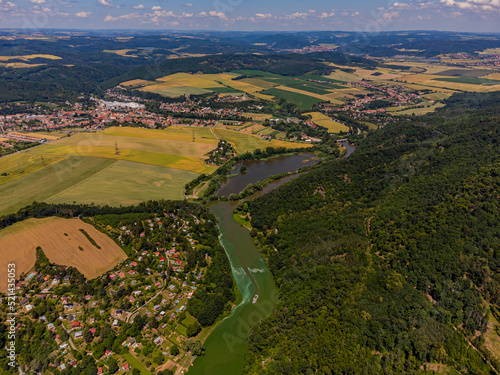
point(47, 182)
point(248, 142)
point(61, 240)
point(21, 164)
point(326, 122)
point(127, 183)
point(303, 102)
point(173, 153)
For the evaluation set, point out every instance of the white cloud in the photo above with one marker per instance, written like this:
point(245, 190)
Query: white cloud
point(156, 7)
point(263, 16)
point(83, 14)
point(188, 5)
point(140, 6)
point(107, 3)
point(221, 15)
point(38, 1)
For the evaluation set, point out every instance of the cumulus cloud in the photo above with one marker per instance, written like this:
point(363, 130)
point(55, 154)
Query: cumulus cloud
point(38, 1)
point(107, 3)
point(474, 5)
point(156, 7)
point(83, 14)
point(140, 6)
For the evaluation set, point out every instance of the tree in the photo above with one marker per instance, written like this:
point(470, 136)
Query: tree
point(113, 366)
point(87, 336)
point(193, 329)
point(174, 350)
point(196, 348)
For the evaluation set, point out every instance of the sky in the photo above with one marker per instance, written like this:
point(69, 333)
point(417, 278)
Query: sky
point(254, 15)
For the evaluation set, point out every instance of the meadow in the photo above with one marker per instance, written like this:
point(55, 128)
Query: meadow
point(62, 242)
point(302, 101)
point(127, 183)
point(326, 122)
point(44, 183)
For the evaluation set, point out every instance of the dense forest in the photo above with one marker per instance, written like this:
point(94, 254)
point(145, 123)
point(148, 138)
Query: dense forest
point(387, 262)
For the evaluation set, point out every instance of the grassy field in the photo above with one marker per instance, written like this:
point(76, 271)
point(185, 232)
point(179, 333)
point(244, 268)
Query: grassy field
point(134, 363)
point(60, 240)
point(21, 164)
point(420, 111)
point(243, 142)
point(174, 91)
point(470, 81)
point(258, 116)
point(326, 122)
point(125, 183)
point(303, 101)
point(45, 183)
point(174, 133)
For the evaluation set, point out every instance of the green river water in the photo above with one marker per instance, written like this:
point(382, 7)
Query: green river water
point(226, 345)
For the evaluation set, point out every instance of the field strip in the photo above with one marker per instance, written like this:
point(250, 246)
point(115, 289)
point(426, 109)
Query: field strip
point(306, 93)
point(82, 181)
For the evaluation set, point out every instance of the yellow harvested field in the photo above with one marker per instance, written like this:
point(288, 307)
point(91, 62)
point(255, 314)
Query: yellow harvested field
point(18, 65)
point(29, 57)
point(343, 76)
point(137, 83)
point(122, 52)
point(326, 122)
point(21, 164)
point(243, 142)
point(253, 129)
point(41, 135)
point(60, 240)
point(173, 133)
point(172, 148)
point(429, 81)
point(202, 81)
point(306, 93)
point(495, 76)
point(491, 51)
point(257, 116)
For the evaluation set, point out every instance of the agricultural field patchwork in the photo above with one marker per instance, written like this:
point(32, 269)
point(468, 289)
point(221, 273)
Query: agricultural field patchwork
point(326, 122)
point(17, 165)
point(63, 243)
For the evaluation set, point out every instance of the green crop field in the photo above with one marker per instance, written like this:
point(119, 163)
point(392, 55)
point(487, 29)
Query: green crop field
point(310, 88)
point(248, 142)
point(303, 102)
point(470, 81)
point(21, 164)
point(45, 183)
point(127, 183)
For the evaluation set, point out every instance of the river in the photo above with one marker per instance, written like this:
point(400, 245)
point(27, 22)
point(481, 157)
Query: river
point(224, 348)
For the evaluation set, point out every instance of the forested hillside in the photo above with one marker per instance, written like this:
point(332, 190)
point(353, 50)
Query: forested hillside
point(387, 262)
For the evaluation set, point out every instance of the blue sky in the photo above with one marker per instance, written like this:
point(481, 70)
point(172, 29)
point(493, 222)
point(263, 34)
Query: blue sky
point(290, 15)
